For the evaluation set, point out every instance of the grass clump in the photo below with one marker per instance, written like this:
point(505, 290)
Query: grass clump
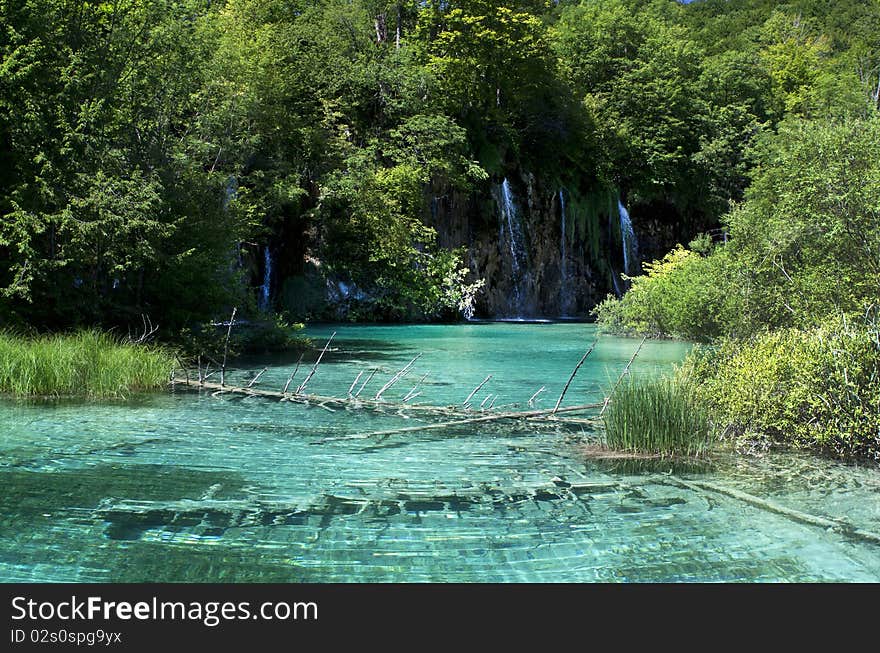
point(88, 364)
point(657, 417)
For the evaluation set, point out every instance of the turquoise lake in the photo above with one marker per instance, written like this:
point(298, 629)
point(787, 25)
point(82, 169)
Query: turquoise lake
point(186, 486)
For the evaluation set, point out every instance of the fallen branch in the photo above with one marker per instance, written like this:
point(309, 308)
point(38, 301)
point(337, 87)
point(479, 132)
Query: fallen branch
point(467, 401)
point(547, 413)
point(394, 379)
point(369, 378)
point(571, 378)
point(257, 377)
point(315, 366)
point(412, 393)
point(293, 374)
point(354, 383)
point(309, 399)
point(535, 396)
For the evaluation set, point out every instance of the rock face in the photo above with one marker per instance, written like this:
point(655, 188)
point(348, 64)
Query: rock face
point(513, 230)
point(544, 249)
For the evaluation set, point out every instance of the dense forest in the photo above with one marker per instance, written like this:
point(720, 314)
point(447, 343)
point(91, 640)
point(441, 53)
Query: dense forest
point(404, 160)
point(338, 158)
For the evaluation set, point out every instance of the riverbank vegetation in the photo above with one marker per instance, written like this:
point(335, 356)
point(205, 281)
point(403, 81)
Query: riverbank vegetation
point(790, 302)
point(88, 364)
point(657, 416)
point(817, 388)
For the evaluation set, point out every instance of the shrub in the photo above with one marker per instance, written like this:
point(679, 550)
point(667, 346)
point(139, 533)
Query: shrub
point(816, 388)
point(684, 295)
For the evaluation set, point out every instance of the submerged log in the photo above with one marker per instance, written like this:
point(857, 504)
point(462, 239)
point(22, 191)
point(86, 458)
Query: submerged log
point(836, 525)
point(317, 400)
point(519, 414)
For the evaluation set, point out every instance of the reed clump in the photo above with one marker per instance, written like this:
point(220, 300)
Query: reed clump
point(657, 416)
point(90, 364)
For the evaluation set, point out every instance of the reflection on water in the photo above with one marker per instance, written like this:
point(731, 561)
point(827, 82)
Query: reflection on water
point(197, 488)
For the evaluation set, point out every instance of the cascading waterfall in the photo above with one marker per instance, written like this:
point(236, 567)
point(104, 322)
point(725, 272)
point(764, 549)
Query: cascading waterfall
point(564, 300)
point(510, 229)
point(266, 287)
point(628, 241)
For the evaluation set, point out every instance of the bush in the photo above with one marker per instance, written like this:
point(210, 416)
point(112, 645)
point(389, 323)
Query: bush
point(657, 416)
point(684, 295)
point(817, 388)
point(88, 364)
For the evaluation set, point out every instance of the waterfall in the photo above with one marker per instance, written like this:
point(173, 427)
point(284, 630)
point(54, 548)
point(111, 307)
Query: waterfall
point(267, 279)
point(564, 301)
point(230, 192)
point(617, 290)
point(628, 241)
point(510, 230)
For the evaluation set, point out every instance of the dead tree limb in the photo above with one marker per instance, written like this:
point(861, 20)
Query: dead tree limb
point(412, 393)
point(293, 374)
point(226, 347)
point(257, 377)
point(369, 378)
point(462, 422)
point(314, 369)
point(402, 373)
point(535, 396)
point(574, 371)
point(467, 401)
point(354, 383)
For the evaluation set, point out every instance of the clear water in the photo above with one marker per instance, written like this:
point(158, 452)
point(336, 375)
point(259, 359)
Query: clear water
point(196, 488)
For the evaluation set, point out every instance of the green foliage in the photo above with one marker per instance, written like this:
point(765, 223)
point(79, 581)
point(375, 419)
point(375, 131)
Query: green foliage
point(807, 241)
point(684, 295)
point(804, 250)
point(89, 364)
point(804, 246)
point(125, 127)
point(96, 113)
point(657, 416)
point(817, 388)
point(637, 71)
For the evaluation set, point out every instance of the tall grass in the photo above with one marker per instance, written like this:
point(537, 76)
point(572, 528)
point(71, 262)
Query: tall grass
point(657, 416)
point(84, 364)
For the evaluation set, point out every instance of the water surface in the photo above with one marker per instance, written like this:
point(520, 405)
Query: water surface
point(189, 487)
